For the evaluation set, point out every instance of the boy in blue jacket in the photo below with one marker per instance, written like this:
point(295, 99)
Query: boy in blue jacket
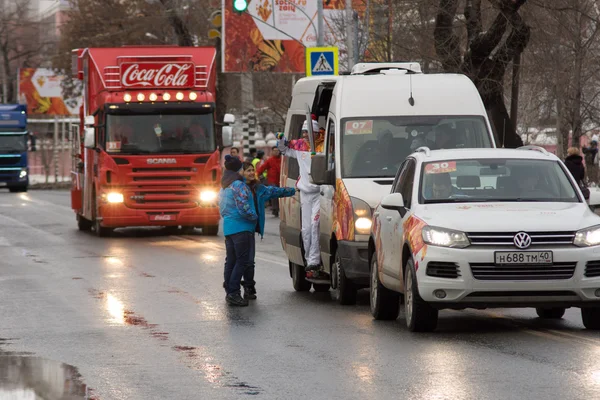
point(238, 210)
point(262, 194)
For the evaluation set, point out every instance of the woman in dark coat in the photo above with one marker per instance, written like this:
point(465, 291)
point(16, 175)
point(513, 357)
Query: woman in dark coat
point(574, 162)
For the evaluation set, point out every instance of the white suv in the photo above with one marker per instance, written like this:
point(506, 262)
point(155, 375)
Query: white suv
point(479, 228)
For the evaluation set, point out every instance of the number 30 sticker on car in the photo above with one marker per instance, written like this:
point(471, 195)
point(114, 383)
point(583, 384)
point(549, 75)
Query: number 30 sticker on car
point(440, 168)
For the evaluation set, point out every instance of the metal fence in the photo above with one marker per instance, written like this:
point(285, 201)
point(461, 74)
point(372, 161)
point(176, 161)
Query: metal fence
point(50, 149)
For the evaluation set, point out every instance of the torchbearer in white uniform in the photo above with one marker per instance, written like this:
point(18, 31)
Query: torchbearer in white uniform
point(310, 197)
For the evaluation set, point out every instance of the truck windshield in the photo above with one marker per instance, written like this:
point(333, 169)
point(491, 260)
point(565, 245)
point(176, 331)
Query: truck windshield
point(160, 133)
point(374, 147)
point(13, 142)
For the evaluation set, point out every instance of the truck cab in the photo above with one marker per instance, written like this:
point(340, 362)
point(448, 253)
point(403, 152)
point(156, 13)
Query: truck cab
point(14, 170)
point(373, 119)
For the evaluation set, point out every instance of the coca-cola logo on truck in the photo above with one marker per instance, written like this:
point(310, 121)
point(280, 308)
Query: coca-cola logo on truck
point(163, 75)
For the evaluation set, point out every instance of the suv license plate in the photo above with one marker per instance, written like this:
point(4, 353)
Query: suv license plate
point(523, 257)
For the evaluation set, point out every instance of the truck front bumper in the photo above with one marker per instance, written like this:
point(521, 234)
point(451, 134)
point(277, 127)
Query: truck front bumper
point(121, 216)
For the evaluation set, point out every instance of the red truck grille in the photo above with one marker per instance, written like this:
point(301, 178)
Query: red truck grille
point(163, 188)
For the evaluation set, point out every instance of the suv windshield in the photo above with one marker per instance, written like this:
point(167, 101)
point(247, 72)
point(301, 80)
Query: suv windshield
point(376, 146)
point(481, 180)
point(13, 142)
point(160, 133)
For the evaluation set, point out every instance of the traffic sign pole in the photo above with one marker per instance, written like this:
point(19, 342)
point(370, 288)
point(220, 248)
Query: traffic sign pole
point(320, 33)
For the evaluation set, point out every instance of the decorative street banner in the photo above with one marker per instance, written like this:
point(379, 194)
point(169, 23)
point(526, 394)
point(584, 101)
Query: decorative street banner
point(272, 34)
point(41, 90)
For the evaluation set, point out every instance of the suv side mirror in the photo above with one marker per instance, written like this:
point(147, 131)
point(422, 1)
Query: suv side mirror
point(319, 172)
point(394, 201)
point(227, 136)
point(89, 138)
point(229, 119)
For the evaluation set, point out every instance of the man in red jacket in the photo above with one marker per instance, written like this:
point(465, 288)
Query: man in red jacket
point(273, 168)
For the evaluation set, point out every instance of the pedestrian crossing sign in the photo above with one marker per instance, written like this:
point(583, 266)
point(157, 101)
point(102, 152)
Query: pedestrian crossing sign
point(321, 61)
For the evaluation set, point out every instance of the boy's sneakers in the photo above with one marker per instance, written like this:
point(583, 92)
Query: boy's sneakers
point(235, 299)
point(249, 293)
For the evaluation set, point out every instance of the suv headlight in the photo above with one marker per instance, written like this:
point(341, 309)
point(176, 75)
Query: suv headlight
point(444, 237)
point(362, 216)
point(587, 237)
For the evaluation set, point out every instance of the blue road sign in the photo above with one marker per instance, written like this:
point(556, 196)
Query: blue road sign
point(321, 61)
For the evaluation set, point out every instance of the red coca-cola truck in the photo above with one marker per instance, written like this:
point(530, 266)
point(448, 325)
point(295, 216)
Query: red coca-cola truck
point(146, 151)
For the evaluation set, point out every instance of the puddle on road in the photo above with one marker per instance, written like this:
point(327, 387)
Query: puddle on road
point(35, 378)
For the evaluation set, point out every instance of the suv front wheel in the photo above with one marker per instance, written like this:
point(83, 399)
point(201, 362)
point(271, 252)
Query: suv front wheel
point(385, 304)
point(420, 316)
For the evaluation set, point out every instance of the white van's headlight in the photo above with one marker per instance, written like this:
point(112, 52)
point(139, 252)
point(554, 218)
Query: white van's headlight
point(362, 216)
point(587, 237)
point(444, 237)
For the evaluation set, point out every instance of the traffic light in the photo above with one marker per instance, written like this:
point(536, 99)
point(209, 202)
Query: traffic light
point(240, 5)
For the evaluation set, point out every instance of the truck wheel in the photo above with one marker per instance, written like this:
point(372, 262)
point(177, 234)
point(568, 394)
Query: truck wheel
point(420, 316)
point(591, 318)
point(100, 230)
point(385, 304)
point(210, 230)
point(83, 224)
point(344, 291)
point(299, 278)
point(550, 313)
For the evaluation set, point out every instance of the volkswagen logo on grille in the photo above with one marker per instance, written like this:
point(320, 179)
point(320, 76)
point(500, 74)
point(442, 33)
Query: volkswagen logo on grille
point(522, 240)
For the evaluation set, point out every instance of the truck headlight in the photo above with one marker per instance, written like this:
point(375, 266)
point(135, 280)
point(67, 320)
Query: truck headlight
point(23, 173)
point(208, 196)
point(362, 216)
point(444, 237)
point(114, 197)
point(587, 237)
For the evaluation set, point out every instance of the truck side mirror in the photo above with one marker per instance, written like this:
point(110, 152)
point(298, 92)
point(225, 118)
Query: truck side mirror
point(229, 119)
point(89, 120)
point(319, 172)
point(227, 136)
point(89, 139)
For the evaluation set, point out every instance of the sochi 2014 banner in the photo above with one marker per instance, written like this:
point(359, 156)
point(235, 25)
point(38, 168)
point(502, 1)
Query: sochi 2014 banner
point(40, 89)
point(272, 34)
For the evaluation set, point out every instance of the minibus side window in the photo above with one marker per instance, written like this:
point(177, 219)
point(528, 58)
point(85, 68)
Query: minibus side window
point(330, 148)
point(294, 134)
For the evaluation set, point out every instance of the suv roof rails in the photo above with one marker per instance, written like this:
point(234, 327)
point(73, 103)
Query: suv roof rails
point(375, 68)
point(424, 149)
point(534, 148)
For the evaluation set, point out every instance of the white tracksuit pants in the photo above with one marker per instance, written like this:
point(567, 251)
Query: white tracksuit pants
point(311, 206)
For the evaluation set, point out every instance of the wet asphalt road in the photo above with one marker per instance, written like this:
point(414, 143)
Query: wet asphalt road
point(141, 315)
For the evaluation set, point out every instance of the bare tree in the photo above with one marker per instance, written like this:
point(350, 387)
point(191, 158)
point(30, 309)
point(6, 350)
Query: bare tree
point(487, 56)
point(565, 57)
point(20, 43)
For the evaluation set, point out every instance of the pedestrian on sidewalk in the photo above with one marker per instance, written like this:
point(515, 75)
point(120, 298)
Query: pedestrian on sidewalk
point(591, 161)
point(238, 210)
point(272, 167)
point(574, 163)
point(261, 194)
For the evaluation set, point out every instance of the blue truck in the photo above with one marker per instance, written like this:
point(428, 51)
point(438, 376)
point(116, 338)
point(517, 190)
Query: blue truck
point(14, 170)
